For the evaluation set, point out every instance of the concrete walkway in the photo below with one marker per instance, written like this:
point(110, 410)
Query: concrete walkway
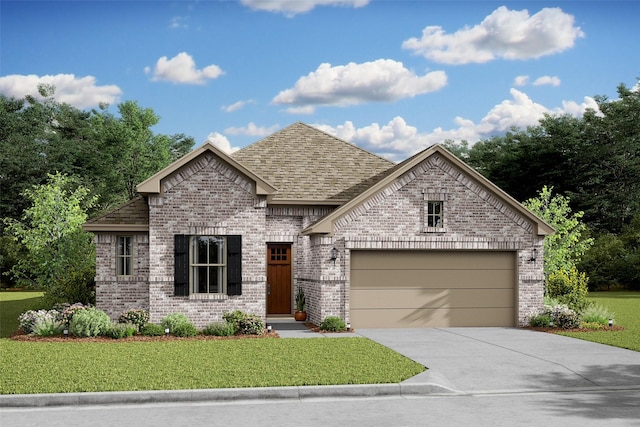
point(461, 361)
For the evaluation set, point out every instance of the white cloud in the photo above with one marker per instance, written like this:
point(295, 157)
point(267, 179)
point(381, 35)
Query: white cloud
point(252, 130)
point(398, 140)
point(221, 142)
point(182, 69)
point(236, 106)
point(547, 80)
point(506, 34)
point(80, 92)
point(521, 81)
point(293, 7)
point(381, 80)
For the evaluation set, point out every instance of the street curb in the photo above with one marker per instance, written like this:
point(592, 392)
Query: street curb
point(220, 395)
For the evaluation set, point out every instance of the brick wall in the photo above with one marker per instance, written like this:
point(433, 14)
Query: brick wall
point(394, 219)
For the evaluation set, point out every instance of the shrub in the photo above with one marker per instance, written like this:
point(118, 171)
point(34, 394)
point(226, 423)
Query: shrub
point(596, 313)
point(47, 327)
point(591, 325)
point(565, 318)
point(540, 321)
point(221, 329)
point(152, 330)
point(333, 324)
point(185, 330)
point(244, 323)
point(172, 320)
point(28, 319)
point(570, 288)
point(68, 311)
point(89, 322)
point(137, 317)
point(122, 330)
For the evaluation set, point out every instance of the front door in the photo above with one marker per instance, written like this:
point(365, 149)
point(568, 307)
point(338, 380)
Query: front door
point(278, 278)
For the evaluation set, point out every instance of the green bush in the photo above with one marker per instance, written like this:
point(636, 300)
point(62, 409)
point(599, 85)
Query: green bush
point(122, 330)
point(29, 318)
point(90, 322)
point(185, 330)
point(152, 330)
point(220, 329)
point(172, 320)
point(570, 288)
point(244, 323)
point(137, 317)
point(565, 318)
point(333, 324)
point(47, 327)
point(540, 321)
point(67, 311)
point(596, 313)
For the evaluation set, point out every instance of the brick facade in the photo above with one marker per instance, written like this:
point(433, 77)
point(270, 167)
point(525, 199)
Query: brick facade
point(207, 196)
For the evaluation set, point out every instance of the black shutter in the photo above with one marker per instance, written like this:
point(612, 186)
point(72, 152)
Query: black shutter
point(181, 271)
point(234, 265)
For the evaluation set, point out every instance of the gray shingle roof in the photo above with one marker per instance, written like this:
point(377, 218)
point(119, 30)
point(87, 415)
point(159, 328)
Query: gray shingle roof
point(304, 163)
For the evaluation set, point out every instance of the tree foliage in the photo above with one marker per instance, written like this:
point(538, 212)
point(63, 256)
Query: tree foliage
point(563, 249)
point(57, 249)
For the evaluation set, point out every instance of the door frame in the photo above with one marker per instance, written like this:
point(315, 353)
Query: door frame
point(287, 292)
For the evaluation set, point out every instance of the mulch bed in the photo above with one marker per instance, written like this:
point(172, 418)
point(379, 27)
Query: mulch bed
point(556, 330)
point(21, 336)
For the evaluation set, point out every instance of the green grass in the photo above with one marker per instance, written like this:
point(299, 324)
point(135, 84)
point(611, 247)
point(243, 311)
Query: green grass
point(37, 367)
point(77, 366)
point(12, 304)
point(625, 306)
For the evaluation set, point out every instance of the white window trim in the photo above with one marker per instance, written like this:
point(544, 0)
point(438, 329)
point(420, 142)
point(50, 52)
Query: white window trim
point(193, 292)
point(435, 196)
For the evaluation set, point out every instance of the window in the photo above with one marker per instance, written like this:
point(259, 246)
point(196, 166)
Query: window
point(434, 214)
point(124, 257)
point(434, 219)
point(207, 265)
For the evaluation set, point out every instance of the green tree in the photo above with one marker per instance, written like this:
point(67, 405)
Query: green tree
point(564, 249)
point(59, 253)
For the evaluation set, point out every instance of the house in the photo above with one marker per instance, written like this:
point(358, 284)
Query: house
point(427, 242)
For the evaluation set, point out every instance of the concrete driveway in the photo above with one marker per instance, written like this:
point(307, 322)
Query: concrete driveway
point(508, 360)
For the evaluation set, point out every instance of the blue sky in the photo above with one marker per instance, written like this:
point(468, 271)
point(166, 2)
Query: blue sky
point(390, 76)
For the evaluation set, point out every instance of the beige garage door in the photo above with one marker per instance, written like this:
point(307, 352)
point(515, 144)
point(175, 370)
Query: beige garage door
point(415, 289)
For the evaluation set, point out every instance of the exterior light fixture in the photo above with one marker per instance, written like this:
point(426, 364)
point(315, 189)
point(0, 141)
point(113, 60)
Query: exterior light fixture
point(610, 322)
point(166, 331)
point(534, 255)
point(268, 329)
point(65, 332)
point(348, 327)
point(334, 255)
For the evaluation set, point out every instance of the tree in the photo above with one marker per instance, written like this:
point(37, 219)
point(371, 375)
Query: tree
point(59, 253)
point(565, 248)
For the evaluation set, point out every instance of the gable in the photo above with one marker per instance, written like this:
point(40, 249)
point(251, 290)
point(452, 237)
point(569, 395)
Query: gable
point(460, 178)
point(307, 165)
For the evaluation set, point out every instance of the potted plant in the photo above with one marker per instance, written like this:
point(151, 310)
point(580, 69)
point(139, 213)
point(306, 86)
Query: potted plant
point(301, 303)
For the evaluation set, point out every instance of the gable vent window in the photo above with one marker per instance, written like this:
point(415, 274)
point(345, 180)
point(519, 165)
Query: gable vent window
point(208, 266)
point(434, 216)
point(124, 257)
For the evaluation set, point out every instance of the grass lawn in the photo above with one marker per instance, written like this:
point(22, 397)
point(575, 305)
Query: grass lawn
point(12, 304)
point(626, 307)
point(77, 366)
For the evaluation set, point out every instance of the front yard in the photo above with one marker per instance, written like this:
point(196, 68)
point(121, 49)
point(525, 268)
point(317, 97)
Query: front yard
point(80, 366)
point(626, 306)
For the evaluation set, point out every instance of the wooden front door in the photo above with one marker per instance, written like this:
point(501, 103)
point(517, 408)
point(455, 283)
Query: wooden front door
point(278, 278)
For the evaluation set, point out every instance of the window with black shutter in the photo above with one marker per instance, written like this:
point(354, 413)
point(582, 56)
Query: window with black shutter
point(208, 265)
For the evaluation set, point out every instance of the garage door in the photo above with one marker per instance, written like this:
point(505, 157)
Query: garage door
point(414, 289)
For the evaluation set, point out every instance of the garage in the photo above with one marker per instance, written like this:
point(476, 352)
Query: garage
point(416, 289)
